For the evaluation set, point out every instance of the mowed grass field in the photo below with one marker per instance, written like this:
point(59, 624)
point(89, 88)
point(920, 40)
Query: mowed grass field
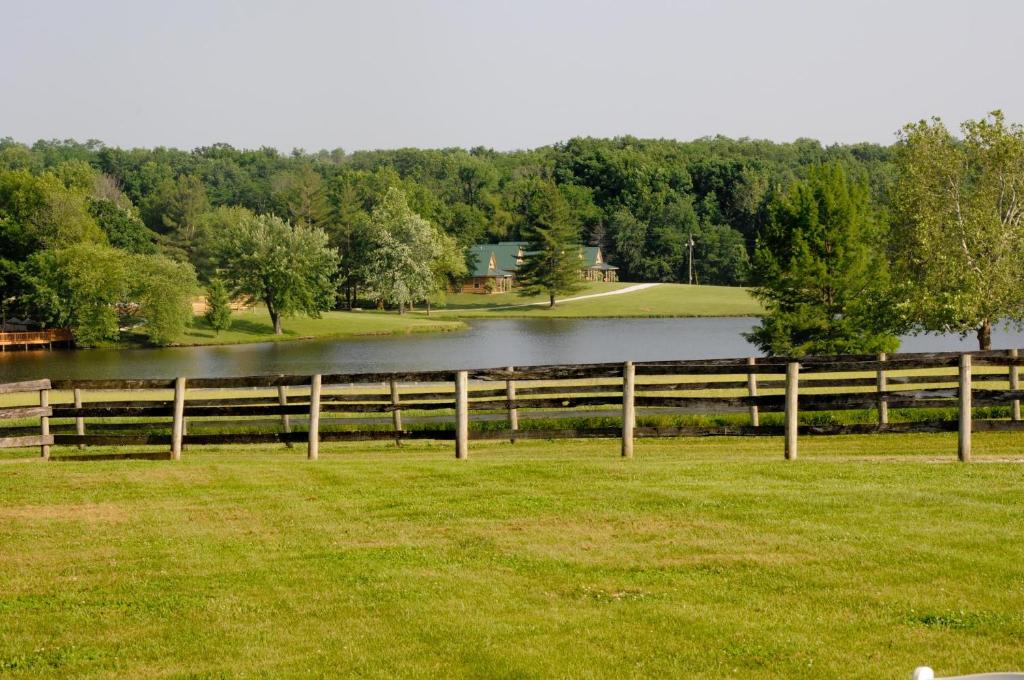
point(255, 326)
point(700, 558)
point(664, 299)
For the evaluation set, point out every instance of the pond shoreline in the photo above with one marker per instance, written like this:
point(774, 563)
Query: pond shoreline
point(483, 343)
point(453, 328)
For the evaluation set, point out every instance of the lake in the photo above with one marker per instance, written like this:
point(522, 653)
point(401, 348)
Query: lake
point(497, 342)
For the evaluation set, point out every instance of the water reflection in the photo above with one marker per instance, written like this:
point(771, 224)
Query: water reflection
point(497, 342)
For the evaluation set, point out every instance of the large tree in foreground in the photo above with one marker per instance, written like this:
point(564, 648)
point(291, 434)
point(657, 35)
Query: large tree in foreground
point(958, 227)
point(287, 268)
point(552, 260)
point(819, 274)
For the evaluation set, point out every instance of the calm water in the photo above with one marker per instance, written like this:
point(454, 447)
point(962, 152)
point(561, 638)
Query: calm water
point(498, 342)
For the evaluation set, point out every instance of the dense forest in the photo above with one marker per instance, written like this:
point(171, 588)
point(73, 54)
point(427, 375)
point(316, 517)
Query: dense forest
point(847, 246)
point(639, 199)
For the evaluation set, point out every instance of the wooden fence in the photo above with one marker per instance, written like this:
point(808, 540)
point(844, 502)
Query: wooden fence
point(289, 409)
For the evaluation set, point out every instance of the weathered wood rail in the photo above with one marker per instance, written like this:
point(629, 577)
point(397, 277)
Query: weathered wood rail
point(27, 339)
point(293, 409)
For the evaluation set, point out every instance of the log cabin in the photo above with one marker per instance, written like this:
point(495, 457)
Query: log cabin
point(493, 266)
point(595, 267)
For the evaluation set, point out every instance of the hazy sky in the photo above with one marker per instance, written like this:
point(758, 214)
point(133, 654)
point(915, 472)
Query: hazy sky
point(517, 74)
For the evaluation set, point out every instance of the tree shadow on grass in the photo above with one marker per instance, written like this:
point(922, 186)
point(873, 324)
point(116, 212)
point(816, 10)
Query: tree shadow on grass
point(488, 304)
point(201, 328)
point(254, 327)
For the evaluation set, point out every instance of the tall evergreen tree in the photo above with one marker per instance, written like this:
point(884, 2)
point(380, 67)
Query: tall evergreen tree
point(819, 273)
point(218, 313)
point(552, 262)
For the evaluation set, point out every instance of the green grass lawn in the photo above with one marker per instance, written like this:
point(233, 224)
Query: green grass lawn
point(666, 299)
point(255, 326)
point(698, 559)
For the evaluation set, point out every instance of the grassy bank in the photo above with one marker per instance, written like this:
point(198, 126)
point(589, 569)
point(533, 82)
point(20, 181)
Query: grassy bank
point(665, 299)
point(698, 559)
point(255, 326)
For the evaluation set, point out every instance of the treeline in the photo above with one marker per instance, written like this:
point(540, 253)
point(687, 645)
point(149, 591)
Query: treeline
point(641, 200)
point(847, 246)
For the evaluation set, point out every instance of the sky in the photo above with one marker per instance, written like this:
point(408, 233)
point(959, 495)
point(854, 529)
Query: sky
point(507, 75)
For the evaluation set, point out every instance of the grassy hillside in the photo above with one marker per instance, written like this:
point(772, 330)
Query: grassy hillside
point(255, 326)
point(697, 559)
point(666, 299)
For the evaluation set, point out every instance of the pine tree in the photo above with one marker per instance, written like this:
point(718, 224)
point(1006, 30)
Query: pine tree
point(820, 273)
point(219, 313)
point(552, 259)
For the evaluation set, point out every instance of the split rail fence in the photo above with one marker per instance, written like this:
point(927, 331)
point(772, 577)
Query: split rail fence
point(289, 409)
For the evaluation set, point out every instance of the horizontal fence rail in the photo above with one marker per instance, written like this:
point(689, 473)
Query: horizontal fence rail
point(26, 339)
point(773, 396)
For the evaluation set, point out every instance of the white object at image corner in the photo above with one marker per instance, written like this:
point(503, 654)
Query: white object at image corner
point(926, 673)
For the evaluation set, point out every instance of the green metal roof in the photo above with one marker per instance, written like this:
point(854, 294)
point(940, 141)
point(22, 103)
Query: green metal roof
point(480, 260)
point(506, 258)
point(507, 252)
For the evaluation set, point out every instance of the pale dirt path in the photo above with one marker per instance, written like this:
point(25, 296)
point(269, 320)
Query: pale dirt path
point(620, 291)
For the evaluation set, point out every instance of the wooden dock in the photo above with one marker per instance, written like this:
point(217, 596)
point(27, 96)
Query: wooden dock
point(35, 339)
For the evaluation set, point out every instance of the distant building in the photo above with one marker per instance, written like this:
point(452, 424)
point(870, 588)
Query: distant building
point(595, 268)
point(493, 266)
point(16, 325)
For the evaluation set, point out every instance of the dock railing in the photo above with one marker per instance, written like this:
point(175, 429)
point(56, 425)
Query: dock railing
point(26, 339)
point(773, 396)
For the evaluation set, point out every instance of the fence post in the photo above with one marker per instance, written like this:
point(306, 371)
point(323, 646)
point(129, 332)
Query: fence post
point(44, 424)
point(755, 416)
point(396, 413)
point(792, 414)
point(628, 407)
point(313, 449)
point(286, 420)
point(461, 415)
point(883, 403)
point(178, 426)
point(1014, 385)
point(964, 436)
point(79, 420)
point(513, 412)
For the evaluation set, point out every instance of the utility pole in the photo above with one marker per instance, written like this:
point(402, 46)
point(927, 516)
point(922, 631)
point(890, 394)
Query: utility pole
point(691, 258)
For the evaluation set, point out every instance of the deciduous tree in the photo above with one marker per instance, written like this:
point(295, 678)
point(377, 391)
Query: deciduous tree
point(400, 253)
point(448, 266)
point(288, 268)
point(95, 290)
point(160, 294)
point(959, 225)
